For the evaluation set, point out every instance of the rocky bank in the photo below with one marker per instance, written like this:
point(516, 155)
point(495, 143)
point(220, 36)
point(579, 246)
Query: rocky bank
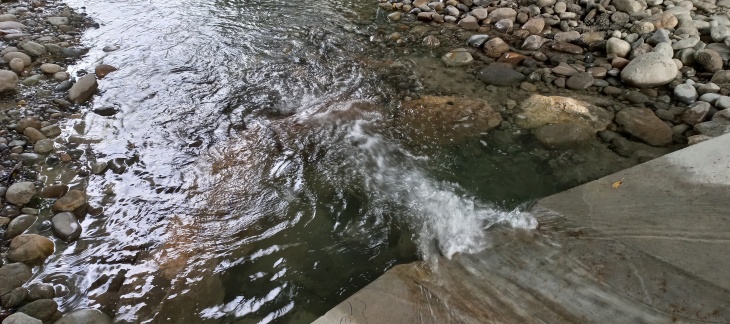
point(625, 71)
point(39, 40)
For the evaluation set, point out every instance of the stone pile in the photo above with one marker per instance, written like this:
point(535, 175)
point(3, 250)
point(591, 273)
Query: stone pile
point(662, 60)
point(39, 39)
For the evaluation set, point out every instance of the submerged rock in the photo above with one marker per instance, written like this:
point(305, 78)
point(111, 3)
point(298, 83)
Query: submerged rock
point(500, 74)
point(562, 136)
point(66, 226)
point(447, 119)
point(85, 316)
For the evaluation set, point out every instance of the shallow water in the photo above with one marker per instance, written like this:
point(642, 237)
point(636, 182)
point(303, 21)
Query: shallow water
point(266, 180)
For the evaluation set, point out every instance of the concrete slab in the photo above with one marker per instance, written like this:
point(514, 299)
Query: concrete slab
point(654, 250)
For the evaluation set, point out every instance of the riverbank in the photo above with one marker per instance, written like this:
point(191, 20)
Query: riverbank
point(654, 68)
point(44, 168)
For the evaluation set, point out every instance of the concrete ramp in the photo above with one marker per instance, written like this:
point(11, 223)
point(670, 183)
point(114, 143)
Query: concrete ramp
point(654, 250)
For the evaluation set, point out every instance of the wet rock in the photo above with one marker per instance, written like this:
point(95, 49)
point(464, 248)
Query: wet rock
point(696, 113)
point(650, 69)
point(38, 291)
point(10, 211)
point(19, 225)
point(34, 49)
point(457, 57)
point(64, 86)
point(10, 56)
point(53, 191)
point(118, 165)
point(43, 146)
point(85, 316)
point(579, 81)
point(66, 226)
point(500, 74)
point(14, 297)
point(447, 119)
point(21, 318)
point(685, 93)
point(8, 81)
point(51, 131)
point(98, 167)
point(431, 41)
point(45, 310)
point(645, 125)
point(12, 276)
point(709, 60)
point(71, 201)
point(83, 89)
point(477, 40)
point(540, 110)
point(30, 248)
point(28, 158)
point(495, 47)
point(562, 136)
point(20, 193)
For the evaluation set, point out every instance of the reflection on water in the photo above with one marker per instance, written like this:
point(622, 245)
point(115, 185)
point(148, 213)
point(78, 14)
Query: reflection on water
point(268, 183)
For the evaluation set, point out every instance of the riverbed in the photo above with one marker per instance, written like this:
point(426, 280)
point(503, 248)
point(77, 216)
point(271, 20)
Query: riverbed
point(266, 176)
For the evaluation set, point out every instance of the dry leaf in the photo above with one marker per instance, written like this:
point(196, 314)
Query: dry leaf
point(617, 184)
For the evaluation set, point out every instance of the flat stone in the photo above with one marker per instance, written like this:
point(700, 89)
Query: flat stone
point(540, 110)
point(579, 81)
point(457, 57)
point(567, 37)
point(564, 69)
point(645, 125)
point(469, 23)
point(71, 201)
point(567, 48)
point(500, 74)
point(34, 49)
point(686, 43)
point(83, 89)
point(58, 21)
point(51, 68)
point(503, 13)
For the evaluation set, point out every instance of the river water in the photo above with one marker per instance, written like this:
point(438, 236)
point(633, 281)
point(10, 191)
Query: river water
point(265, 178)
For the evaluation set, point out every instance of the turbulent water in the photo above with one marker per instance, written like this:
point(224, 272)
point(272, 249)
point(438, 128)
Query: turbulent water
point(266, 182)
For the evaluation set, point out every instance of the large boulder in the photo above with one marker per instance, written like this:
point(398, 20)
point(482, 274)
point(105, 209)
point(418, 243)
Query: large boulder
point(85, 316)
point(13, 276)
point(20, 193)
point(539, 110)
point(83, 89)
point(447, 119)
point(8, 81)
point(642, 123)
point(30, 248)
point(648, 70)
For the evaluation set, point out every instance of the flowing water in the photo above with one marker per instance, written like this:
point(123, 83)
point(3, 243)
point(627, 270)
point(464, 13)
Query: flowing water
point(265, 179)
